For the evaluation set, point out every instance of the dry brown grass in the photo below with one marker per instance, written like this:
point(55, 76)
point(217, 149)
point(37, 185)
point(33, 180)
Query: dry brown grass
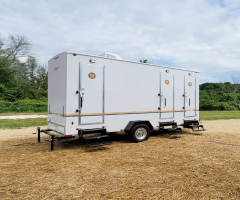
point(162, 167)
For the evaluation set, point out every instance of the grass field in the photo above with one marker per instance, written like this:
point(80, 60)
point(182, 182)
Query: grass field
point(19, 123)
point(216, 115)
point(202, 165)
point(23, 113)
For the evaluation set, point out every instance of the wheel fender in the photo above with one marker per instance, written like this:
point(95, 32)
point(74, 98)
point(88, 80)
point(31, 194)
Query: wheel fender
point(131, 124)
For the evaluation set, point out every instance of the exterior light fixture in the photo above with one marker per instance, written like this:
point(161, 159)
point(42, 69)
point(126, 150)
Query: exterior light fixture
point(92, 61)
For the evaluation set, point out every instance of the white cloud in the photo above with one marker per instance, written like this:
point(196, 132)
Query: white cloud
point(201, 35)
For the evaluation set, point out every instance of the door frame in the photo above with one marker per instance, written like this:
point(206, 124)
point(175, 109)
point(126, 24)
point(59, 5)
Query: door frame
point(80, 89)
point(160, 97)
point(195, 96)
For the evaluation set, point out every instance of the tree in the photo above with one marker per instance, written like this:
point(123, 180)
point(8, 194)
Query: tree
point(11, 50)
point(21, 75)
point(236, 82)
point(31, 65)
point(143, 60)
point(42, 76)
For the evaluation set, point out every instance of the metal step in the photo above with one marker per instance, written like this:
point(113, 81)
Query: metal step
point(98, 145)
point(95, 141)
point(90, 131)
point(198, 126)
point(162, 124)
point(193, 124)
point(175, 131)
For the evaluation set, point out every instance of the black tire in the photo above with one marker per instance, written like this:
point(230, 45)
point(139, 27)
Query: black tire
point(139, 133)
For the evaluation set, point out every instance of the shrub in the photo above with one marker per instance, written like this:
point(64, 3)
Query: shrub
point(26, 105)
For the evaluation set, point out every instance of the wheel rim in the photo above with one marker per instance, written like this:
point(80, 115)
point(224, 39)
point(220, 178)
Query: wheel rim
point(141, 133)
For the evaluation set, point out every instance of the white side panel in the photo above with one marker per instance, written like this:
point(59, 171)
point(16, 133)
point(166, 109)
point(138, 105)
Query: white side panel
point(166, 96)
point(57, 80)
point(56, 127)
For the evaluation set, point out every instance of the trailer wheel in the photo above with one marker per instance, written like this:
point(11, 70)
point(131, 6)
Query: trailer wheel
point(139, 133)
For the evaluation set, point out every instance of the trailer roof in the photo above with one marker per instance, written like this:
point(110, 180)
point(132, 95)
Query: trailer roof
point(71, 52)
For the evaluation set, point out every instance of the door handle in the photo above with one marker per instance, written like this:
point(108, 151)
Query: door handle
point(80, 100)
point(163, 100)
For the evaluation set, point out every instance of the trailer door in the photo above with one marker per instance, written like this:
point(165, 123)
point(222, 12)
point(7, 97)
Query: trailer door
point(166, 96)
point(190, 96)
point(91, 94)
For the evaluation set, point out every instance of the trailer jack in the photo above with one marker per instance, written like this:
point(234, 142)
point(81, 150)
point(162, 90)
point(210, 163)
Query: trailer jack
point(53, 134)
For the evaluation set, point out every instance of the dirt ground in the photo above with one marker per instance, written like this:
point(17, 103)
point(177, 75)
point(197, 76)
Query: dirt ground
point(202, 165)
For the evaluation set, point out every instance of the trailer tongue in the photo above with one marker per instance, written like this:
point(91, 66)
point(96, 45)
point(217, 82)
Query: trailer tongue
point(90, 137)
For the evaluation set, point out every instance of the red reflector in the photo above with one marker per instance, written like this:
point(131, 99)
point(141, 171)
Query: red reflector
point(156, 126)
point(121, 130)
point(194, 119)
point(72, 123)
point(78, 129)
point(173, 120)
point(103, 126)
point(181, 124)
point(68, 135)
point(74, 54)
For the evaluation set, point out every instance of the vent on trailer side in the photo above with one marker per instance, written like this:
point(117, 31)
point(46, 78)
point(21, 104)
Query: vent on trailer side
point(111, 55)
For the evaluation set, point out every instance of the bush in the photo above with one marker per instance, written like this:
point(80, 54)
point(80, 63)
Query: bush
point(26, 105)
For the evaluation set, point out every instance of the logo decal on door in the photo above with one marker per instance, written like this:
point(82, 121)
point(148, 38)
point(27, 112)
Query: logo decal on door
point(56, 68)
point(91, 75)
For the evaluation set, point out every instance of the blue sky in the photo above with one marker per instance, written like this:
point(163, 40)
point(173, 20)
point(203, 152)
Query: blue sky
point(201, 35)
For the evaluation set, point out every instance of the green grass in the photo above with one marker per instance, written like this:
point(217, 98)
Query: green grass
point(19, 123)
point(22, 113)
point(215, 115)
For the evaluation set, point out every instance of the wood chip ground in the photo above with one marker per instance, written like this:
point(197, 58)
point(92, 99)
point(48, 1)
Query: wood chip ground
point(202, 165)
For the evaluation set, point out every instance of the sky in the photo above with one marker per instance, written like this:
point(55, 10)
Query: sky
point(199, 35)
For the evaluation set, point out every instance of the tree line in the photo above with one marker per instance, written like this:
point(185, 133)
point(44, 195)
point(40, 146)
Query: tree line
point(220, 96)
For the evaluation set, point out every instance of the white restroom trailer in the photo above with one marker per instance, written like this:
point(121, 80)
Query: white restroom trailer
point(93, 93)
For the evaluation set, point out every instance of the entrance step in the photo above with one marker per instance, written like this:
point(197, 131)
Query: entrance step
point(194, 125)
point(175, 130)
point(94, 140)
